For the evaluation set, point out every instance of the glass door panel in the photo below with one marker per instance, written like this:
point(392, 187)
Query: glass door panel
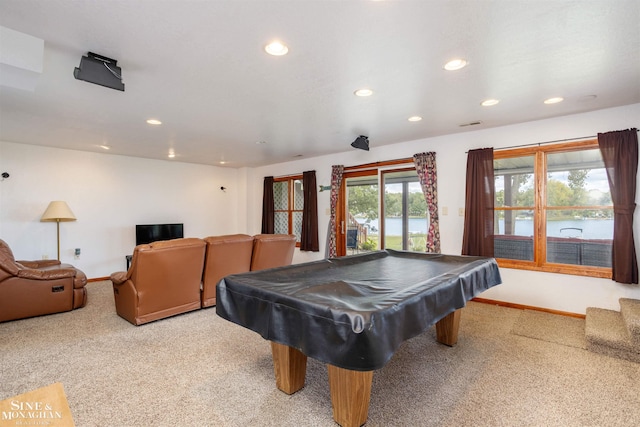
point(361, 226)
point(405, 222)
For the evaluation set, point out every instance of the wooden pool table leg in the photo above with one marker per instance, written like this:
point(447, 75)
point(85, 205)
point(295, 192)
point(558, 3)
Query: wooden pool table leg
point(290, 367)
point(350, 395)
point(447, 328)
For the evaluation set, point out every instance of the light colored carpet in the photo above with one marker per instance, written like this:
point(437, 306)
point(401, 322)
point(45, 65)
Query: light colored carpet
point(200, 370)
point(551, 328)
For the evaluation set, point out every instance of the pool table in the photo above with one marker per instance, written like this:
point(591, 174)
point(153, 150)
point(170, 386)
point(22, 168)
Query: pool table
point(352, 313)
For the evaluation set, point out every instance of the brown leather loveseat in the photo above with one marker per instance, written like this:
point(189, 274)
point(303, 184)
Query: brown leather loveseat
point(240, 253)
point(35, 288)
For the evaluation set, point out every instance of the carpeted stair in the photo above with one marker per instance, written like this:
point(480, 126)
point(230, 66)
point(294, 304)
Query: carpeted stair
point(616, 334)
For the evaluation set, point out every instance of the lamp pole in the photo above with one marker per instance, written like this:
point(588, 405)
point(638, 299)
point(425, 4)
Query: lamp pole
point(58, 230)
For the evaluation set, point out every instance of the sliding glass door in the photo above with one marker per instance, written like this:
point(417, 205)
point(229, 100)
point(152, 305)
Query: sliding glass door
point(381, 209)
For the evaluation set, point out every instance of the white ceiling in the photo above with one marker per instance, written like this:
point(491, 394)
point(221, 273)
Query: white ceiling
point(200, 67)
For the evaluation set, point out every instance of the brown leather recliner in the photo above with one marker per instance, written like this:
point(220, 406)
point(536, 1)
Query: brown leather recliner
point(35, 288)
point(163, 280)
point(229, 254)
point(272, 250)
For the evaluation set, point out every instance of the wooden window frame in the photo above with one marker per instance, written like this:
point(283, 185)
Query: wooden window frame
point(540, 209)
point(290, 180)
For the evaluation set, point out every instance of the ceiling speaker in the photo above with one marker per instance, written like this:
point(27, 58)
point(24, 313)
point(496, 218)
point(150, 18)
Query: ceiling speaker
point(361, 142)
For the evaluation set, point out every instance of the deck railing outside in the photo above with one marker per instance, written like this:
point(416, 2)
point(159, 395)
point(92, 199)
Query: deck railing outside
point(356, 233)
point(561, 250)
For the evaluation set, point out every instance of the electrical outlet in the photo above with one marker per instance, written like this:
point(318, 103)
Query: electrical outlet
point(445, 211)
point(461, 211)
point(45, 256)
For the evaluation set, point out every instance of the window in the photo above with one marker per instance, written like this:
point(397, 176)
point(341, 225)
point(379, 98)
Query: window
point(288, 203)
point(553, 209)
point(381, 207)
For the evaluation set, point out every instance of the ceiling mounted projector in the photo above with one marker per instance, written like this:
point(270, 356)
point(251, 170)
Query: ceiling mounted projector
point(361, 142)
point(100, 70)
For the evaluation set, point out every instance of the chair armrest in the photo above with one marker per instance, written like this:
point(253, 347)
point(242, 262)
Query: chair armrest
point(39, 263)
point(30, 273)
point(119, 277)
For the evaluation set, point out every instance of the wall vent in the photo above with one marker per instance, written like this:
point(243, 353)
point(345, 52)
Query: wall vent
point(471, 124)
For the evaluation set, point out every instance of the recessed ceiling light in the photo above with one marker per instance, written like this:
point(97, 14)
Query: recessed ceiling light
point(276, 48)
point(154, 122)
point(105, 147)
point(553, 100)
point(171, 154)
point(489, 102)
point(222, 162)
point(414, 118)
point(455, 64)
point(363, 92)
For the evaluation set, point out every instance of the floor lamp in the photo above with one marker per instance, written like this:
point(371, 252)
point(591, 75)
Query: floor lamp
point(58, 211)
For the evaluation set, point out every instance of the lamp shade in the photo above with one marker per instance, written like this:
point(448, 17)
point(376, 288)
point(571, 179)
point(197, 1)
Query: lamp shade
point(58, 211)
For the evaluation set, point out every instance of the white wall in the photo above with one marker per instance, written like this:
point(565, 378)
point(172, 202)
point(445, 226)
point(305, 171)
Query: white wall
point(109, 195)
point(553, 291)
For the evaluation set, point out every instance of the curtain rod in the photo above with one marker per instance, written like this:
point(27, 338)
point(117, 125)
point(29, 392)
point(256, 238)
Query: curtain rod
point(547, 142)
point(382, 163)
point(550, 142)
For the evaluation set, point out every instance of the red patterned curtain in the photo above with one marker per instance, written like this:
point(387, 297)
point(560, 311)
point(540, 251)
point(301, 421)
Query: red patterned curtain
point(309, 238)
point(336, 181)
point(479, 200)
point(620, 154)
point(427, 173)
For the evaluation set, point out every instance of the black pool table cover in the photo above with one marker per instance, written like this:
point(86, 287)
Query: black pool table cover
point(354, 312)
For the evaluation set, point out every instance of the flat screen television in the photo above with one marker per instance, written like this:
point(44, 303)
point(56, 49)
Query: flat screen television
point(148, 233)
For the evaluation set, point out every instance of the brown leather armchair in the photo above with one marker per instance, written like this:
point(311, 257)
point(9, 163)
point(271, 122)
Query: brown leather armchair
point(35, 288)
point(163, 280)
point(272, 250)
